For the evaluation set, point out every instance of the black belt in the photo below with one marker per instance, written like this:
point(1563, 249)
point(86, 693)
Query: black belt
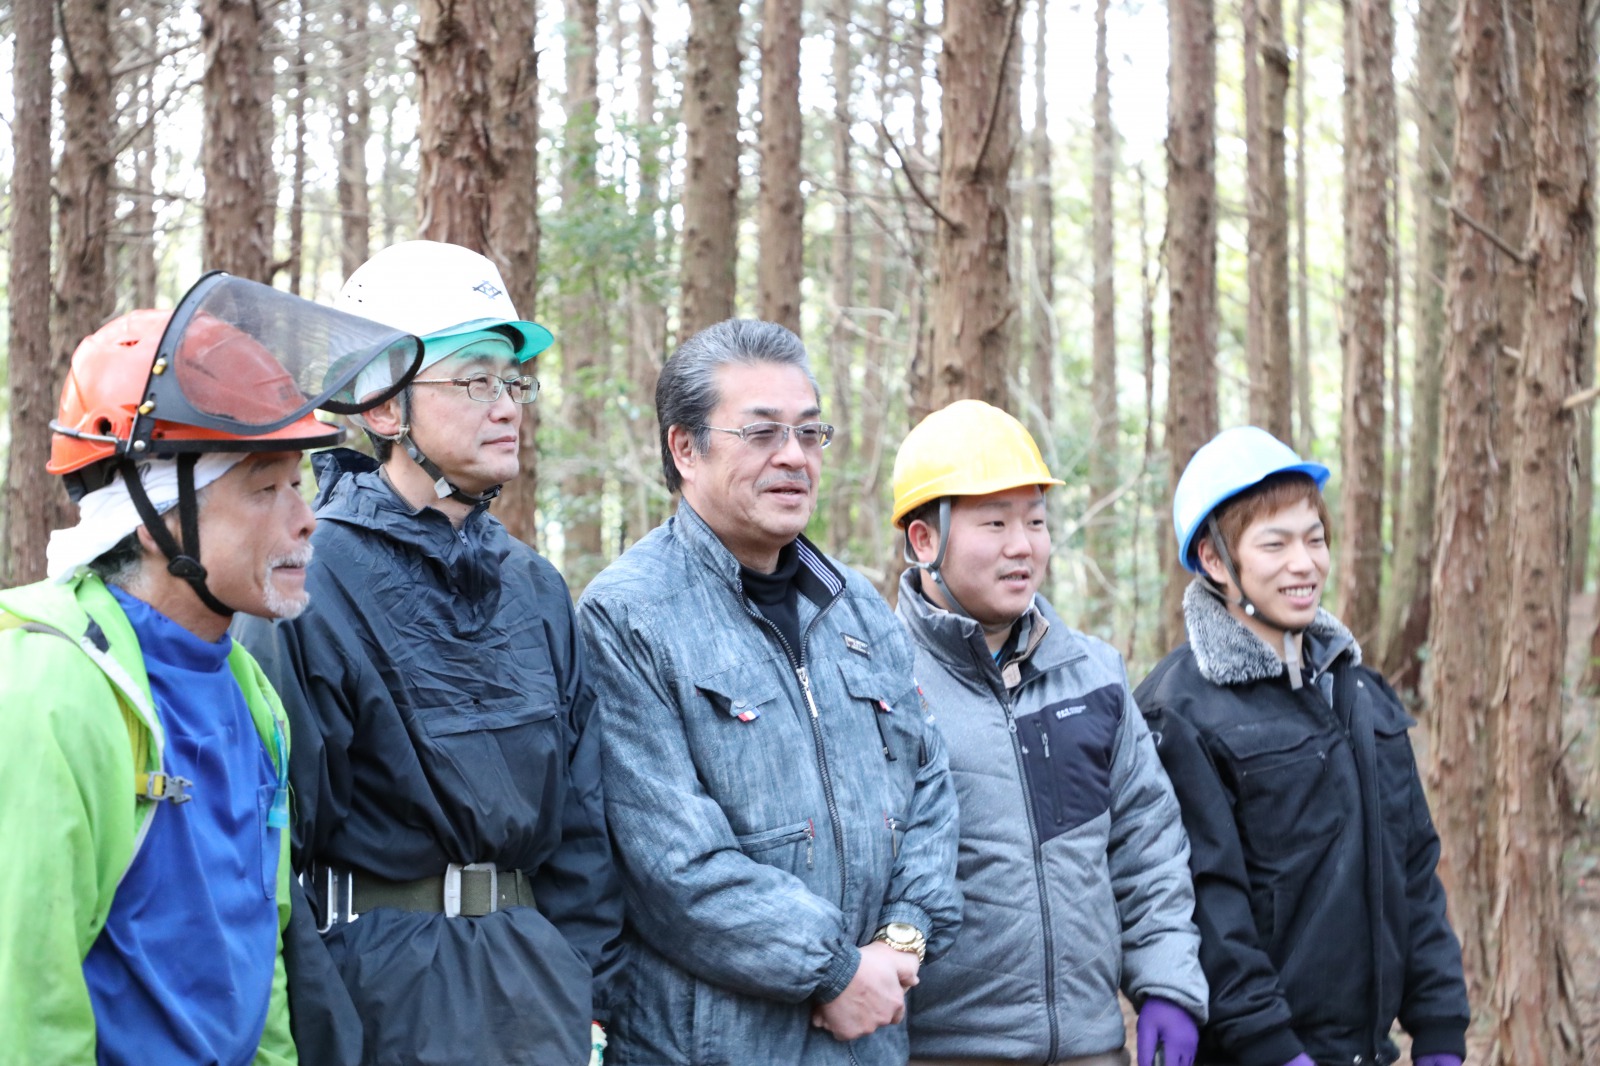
point(469, 890)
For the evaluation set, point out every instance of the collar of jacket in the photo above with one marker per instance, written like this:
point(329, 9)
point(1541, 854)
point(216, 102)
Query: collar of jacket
point(957, 641)
point(1227, 652)
point(351, 490)
point(817, 579)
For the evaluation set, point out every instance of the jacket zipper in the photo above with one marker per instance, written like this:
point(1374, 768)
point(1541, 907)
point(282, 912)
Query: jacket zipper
point(804, 677)
point(1044, 895)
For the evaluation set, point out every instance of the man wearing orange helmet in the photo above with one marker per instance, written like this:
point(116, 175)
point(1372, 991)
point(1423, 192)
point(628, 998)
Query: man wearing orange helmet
point(1074, 863)
point(143, 756)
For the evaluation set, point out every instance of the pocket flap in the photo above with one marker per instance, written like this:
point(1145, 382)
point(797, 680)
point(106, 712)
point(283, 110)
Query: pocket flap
point(739, 695)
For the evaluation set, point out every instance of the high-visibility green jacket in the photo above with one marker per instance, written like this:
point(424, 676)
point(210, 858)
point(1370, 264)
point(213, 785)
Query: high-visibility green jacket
point(76, 715)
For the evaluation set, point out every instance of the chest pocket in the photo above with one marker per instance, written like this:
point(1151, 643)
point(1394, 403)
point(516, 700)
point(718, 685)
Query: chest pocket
point(896, 713)
point(1067, 748)
point(1286, 795)
point(1397, 770)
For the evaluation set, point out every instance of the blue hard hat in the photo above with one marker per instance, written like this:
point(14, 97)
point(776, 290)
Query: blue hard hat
point(1228, 464)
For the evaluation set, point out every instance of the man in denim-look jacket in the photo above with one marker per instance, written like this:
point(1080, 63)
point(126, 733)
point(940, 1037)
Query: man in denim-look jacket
point(780, 800)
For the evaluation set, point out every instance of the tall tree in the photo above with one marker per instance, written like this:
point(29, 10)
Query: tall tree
point(585, 344)
point(1533, 984)
point(1191, 260)
point(1461, 634)
point(1405, 612)
point(1100, 541)
point(300, 75)
point(781, 211)
point(84, 299)
point(1041, 376)
point(1369, 116)
point(34, 375)
point(1267, 342)
point(477, 84)
point(711, 176)
point(974, 301)
point(842, 273)
point(354, 100)
point(1305, 431)
point(237, 148)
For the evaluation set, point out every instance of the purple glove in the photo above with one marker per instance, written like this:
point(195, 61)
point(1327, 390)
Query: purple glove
point(1303, 1059)
point(1442, 1058)
point(1167, 1026)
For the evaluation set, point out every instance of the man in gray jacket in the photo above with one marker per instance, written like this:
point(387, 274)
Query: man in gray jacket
point(781, 804)
point(1074, 862)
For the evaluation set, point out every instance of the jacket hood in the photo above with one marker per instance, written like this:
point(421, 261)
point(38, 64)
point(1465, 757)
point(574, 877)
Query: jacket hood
point(351, 491)
point(1228, 653)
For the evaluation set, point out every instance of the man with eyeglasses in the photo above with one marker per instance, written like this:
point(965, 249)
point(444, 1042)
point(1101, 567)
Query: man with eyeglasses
point(779, 798)
point(449, 830)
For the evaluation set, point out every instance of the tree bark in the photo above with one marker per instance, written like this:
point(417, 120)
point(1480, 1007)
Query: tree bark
point(355, 127)
point(1405, 625)
point(477, 84)
point(237, 150)
point(974, 302)
point(297, 183)
point(35, 374)
point(711, 173)
point(1369, 110)
point(1305, 425)
point(138, 236)
point(1192, 261)
point(585, 345)
point(781, 210)
point(1041, 375)
point(841, 284)
point(1461, 638)
point(1269, 221)
point(1100, 535)
point(1533, 991)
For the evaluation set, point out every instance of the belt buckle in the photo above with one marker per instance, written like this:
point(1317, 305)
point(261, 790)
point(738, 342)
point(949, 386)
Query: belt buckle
point(340, 887)
point(452, 886)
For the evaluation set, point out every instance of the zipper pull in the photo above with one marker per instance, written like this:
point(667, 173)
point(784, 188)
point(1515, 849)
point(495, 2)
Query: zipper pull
point(805, 686)
point(811, 841)
point(1044, 739)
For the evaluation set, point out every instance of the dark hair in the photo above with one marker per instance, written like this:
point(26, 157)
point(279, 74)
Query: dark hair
point(118, 563)
point(924, 512)
point(1268, 496)
point(686, 392)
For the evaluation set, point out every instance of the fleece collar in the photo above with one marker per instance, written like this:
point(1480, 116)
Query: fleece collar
point(1229, 653)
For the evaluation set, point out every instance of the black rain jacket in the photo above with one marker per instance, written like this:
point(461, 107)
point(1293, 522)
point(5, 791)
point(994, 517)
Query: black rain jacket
point(1321, 918)
point(441, 713)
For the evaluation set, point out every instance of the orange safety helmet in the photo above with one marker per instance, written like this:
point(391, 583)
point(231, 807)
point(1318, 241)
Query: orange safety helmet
point(106, 386)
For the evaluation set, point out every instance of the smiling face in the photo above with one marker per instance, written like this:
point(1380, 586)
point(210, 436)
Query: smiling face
point(1283, 561)
point(255, 536)
point(996, 558)
point(755, 498)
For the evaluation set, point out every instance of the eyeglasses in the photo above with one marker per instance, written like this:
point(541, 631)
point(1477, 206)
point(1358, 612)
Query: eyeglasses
point(770, 436)
point(486, 388)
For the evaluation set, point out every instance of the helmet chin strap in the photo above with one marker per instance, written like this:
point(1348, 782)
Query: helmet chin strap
point(183, 560)
point(934, 569)
point(443, 487)
point(1291, 645)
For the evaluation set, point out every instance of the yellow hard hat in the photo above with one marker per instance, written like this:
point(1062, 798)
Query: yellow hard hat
point(967, 449)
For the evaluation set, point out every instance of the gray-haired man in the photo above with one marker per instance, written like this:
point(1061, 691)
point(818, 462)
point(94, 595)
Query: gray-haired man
point(779, 799)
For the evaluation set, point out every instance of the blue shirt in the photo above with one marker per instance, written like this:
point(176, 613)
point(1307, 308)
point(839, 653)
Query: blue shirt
point(182, 971)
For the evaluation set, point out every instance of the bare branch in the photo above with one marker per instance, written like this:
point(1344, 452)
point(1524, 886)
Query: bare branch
point(1484, 231)
point(916, 187)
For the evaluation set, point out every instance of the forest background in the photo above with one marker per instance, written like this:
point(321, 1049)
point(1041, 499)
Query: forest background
point(1367, 227)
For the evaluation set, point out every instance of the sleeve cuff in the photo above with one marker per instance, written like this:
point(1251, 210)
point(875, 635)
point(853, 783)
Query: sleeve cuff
point(838, 974)
point(1437, 1038)
point(1273, 1048)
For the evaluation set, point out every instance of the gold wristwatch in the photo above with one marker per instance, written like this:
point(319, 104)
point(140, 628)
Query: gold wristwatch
point(903, 936)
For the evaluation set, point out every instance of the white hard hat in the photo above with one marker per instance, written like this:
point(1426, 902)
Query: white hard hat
point(436, 290)
point(1232, 461)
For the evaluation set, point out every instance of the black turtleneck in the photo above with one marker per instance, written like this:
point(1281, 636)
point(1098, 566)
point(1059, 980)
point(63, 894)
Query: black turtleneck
point(776, 595)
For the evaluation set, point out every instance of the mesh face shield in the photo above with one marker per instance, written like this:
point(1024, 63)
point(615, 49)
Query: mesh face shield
point(243, 361)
